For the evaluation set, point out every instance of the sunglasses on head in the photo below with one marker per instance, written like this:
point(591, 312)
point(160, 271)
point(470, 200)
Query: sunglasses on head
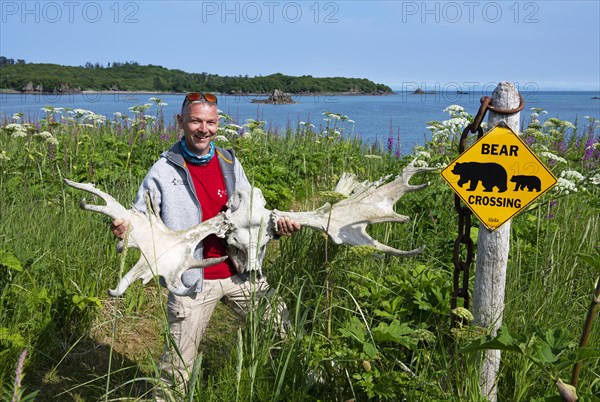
point(198, 96)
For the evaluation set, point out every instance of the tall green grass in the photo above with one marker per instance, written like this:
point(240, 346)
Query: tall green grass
point(364, 325)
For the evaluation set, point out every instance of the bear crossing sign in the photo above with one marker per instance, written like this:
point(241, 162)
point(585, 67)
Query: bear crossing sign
point(498, 176)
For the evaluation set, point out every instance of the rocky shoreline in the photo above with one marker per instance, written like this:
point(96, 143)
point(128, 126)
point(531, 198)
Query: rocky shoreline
point(247, 94)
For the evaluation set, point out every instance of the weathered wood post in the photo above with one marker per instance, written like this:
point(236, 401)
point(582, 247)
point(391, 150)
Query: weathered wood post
point(492, 257)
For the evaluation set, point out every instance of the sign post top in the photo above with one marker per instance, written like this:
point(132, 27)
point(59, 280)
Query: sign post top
point(504, 176)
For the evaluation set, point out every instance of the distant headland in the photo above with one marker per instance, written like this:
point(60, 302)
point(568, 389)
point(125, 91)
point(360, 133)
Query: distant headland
point(24, 77)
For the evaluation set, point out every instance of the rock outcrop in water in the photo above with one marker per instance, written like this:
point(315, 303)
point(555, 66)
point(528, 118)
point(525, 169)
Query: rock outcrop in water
point(277, 98)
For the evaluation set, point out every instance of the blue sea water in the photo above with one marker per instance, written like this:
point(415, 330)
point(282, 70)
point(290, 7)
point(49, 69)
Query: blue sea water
point(375, 117)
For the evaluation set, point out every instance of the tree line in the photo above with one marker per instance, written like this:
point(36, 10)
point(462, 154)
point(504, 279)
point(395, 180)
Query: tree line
point(131, 76)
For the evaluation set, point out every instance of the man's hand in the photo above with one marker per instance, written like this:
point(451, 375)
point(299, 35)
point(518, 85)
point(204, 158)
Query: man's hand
point(119, 228)
point(287, 227)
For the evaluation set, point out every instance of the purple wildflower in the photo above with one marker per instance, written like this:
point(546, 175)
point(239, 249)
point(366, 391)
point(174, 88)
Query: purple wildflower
point(398, 152)
point(19, 376)
point(390, 140)
point(588, 151)
point(51, 148)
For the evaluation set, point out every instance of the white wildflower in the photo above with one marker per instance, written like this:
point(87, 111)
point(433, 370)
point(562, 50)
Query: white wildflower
point(310, 125)
point(17, 116)
point(230, 131)
point(48, 109)
point(19, 134)
point(96, 118)
point(351, 121)
point(302, 123)
point(454, 108)
point(420, 163)
point(539, 148)
point(221, 138)
point(118, 114)
point(149, 117)
point(554, 122)
point(44, 135)
point(234, 126)
point(595, 179)
point(13, 126)
point(422, 154)
point(565, 186)
point(456, 122)
point(572, 175)
point(52, 140)
point(552, 157)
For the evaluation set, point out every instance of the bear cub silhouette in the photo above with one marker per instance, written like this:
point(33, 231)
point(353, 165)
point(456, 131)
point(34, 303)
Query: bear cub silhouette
point(490, 174)
point(531, 182)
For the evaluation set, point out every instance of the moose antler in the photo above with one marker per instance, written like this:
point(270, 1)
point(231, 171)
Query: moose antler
point(248, 226)
point(165, 252)
point(368, 202)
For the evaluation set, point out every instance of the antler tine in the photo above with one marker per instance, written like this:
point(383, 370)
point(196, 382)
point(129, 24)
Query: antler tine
point(346, 221)
point(398, 187)
point(175, 277)
point(112, 208)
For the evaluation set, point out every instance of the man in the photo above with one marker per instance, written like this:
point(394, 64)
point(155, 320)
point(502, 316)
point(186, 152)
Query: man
point(189, 184)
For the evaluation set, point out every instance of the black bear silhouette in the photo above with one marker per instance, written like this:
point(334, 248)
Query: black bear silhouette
point(531, 182)
point(490, 174)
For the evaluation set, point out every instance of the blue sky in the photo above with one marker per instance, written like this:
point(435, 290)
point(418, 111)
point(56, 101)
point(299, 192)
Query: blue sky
point(435, 44)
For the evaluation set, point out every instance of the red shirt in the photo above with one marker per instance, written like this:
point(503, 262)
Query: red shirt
point(212, 194)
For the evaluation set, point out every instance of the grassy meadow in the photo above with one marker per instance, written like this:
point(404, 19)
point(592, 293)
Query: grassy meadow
point(365, 326)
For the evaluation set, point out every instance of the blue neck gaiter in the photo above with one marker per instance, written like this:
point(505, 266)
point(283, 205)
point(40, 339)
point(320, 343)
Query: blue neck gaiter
point(195, 159)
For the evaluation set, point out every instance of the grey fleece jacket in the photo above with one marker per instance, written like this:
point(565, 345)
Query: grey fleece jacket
point(173, 197)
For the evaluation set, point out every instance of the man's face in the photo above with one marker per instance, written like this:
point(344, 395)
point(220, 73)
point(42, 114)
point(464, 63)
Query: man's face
point(199, 123)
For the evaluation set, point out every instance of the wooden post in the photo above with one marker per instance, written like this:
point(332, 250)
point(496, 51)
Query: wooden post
point(492, 257)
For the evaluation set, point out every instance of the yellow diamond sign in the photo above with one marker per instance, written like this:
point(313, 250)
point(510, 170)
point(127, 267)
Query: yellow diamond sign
point(498, 176)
